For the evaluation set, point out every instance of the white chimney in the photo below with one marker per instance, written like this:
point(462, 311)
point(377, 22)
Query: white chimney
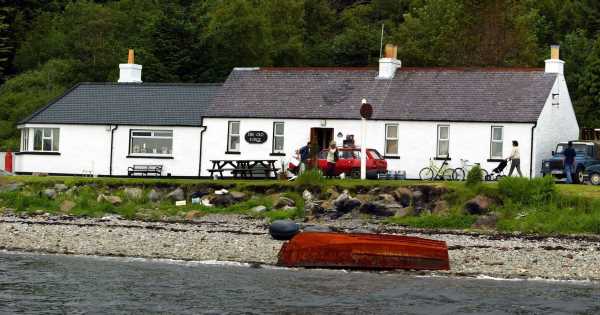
point(130, 72)
point(389, 63)
point(554, 64)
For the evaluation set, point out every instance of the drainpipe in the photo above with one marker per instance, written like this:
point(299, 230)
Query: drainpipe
point(201, 140)
point(112, 138)
point(531, 153)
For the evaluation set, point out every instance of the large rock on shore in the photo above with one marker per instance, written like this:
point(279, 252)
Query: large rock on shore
point(113, 200)
point(345, 203)
point(222, 200)
point(283, 202)
point(478, 205)
point(488, 221)
point(67, 206)
point(403, 195)
point(379, 209)
point(177, 194)
point(11, 187)
point(49, 193)
point(60, 187)
point(133, 193)
point(154, 195)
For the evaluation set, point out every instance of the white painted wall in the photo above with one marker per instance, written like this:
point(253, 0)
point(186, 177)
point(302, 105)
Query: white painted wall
point(417, 141)
point(555, 124)
point(2, 166)
point(186, 148)
point(87, 148)
point(81, 147)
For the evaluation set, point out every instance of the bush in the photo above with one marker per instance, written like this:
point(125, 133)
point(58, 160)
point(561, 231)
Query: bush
point(474, 176)
point(528, 191)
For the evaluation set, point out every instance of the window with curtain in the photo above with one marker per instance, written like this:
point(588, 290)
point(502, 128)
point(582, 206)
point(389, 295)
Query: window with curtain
point(391, 139)
point(24, 139)
point(443, 141)
point(278, 130)
point(151, 142)
point(497, 142)
point(46, 139)
point(233, 134)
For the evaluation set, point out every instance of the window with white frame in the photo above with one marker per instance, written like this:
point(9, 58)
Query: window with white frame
point(497, 142)
point(555, 99)
point(391, 139)
point(24, 139)
point(45, 139)
point(151, 142)
point(233, 137)
point(443, 141)
point(278, 129)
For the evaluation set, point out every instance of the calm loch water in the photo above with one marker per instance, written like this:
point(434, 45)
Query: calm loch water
point(49, 284)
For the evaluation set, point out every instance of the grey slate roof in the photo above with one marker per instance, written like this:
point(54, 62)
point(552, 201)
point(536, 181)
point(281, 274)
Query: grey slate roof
point(421, 94)
point(152, 104)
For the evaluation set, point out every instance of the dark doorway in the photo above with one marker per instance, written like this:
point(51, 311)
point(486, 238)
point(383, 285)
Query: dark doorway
point(321, 137)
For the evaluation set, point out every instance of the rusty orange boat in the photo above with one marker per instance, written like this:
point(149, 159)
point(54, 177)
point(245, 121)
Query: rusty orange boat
point(363, 251)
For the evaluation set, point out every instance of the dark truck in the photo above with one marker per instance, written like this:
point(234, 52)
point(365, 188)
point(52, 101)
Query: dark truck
point(588, 154)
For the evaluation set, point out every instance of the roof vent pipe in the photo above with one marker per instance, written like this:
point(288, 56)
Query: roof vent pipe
point(554, 64)
point(389, 63)
point(130, 72)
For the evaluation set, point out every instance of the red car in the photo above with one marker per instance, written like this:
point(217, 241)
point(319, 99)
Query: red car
point(349, 162)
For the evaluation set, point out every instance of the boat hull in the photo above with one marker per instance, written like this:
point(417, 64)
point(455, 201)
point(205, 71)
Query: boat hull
point(363, 251)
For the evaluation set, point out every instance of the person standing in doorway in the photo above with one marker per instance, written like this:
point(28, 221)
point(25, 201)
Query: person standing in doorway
point(332, 157)
point(569, 154)
point(515, 159)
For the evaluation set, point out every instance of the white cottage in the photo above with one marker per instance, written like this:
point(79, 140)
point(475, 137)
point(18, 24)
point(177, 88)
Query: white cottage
point(419, 114)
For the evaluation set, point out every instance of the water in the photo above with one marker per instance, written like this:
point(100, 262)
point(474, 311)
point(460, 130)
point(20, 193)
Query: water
point(56, 284)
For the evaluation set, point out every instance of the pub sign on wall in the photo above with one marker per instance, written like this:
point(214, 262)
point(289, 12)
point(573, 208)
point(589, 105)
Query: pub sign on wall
point(256, 137)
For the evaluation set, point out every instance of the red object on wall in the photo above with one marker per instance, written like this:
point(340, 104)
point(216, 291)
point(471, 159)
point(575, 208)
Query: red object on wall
point(8, 161)
point(363, 251)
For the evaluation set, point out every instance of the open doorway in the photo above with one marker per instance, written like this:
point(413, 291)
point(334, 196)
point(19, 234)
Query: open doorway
point(320, 138)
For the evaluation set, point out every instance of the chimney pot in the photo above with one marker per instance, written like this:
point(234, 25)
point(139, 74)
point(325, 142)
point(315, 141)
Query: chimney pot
point(389, 63)
point(130, 58)
point(554, 64)
point(130, 72)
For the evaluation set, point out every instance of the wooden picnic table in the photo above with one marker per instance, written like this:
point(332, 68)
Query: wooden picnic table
point(247, 168)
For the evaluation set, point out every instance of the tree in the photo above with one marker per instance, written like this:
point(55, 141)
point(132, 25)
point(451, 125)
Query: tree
point(5, 46)
point(22, 95)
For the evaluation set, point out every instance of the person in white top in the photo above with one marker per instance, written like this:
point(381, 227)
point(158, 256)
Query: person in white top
point(515, 159)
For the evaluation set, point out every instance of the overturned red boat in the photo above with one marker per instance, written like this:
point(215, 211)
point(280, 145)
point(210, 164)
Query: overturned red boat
point(363, 251)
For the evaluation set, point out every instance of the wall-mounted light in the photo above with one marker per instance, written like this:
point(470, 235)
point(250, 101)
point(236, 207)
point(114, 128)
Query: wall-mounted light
point(323, 123)
point(340, 135)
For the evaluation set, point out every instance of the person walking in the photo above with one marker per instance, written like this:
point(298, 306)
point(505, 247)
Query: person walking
point(569, 161)
point(304, 154)
point(515, 159)
point(332, 157)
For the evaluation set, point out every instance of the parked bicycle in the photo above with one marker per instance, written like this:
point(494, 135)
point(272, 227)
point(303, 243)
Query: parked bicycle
point(460, 173)
point(434, 172)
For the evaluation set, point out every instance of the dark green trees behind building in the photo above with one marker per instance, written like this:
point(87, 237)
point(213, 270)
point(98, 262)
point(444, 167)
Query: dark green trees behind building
point(46, 46)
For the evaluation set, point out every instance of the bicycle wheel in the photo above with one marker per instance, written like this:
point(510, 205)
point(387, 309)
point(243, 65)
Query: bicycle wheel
point(448, 174)
point(484, 174)
point(459, 174)
point(426, 173)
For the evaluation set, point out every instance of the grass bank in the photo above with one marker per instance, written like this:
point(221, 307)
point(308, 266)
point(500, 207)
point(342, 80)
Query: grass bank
point(531, 206)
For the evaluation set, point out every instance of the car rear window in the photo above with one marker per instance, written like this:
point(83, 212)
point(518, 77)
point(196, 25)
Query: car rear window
point(375, 154)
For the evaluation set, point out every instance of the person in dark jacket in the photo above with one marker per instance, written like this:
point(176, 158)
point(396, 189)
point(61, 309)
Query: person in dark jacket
point(304, 155)
point(569, 160)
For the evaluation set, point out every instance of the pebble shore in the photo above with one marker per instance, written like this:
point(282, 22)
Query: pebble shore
point(239, 239)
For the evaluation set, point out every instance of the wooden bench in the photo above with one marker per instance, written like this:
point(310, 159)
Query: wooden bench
point(145, 170)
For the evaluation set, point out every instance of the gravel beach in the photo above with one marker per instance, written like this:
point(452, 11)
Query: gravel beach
point(239, 239)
